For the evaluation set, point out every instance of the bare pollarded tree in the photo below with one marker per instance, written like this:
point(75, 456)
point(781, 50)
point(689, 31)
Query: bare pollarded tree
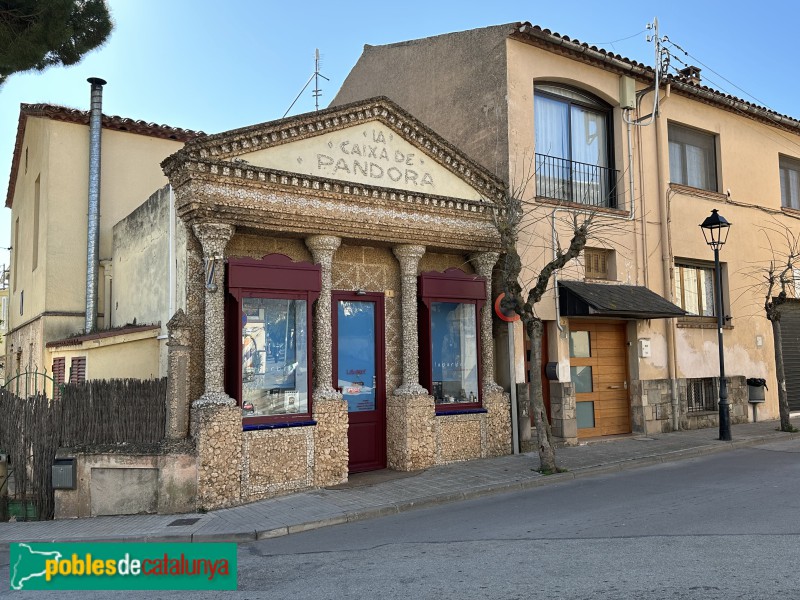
point(524, 285)
point(780, 280)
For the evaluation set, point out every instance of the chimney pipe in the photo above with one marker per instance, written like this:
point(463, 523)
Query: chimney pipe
point(93, 230)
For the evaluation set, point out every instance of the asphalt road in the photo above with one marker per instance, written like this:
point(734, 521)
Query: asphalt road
point(723, 526)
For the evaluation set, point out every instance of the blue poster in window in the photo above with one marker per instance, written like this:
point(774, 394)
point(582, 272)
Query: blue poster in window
point(356, 354)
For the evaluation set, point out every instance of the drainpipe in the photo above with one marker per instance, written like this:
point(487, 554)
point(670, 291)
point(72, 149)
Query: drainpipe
point(666, 259)
point(632, 203)
point(93, 230)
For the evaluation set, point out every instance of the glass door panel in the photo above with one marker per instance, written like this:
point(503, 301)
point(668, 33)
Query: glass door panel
point(356, 354)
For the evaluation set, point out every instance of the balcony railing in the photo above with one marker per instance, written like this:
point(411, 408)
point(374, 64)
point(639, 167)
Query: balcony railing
point(573, 181)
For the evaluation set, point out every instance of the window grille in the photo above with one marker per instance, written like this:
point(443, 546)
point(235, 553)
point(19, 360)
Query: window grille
point(702, 394)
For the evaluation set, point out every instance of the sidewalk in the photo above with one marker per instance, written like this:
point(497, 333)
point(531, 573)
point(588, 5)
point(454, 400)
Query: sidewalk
point(383, 493)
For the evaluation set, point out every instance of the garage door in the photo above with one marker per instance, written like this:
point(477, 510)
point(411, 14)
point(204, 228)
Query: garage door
point(598, 365)
point(790, 333)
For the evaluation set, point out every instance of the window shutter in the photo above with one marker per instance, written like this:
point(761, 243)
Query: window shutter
point(596, 263)
point(59, 371)
point(77, 370)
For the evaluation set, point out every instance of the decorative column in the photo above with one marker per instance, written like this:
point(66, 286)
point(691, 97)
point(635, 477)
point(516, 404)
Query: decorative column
point(484, 262)
point(495, 401)
point(177, 421)
point(408, 256)
point(329, 409)
point(323, 247)
point(410, 412)
point(214, 238)
point(216, 420)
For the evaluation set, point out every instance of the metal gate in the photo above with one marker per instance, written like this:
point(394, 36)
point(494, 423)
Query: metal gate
point(790, 332)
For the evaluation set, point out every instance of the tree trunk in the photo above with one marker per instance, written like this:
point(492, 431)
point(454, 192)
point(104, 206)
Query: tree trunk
point(544, 434)
point(783, 397)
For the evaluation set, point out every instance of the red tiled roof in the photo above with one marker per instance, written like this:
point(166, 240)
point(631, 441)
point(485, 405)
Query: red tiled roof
point(81, 117)
point(527, 32)
point(78, 339)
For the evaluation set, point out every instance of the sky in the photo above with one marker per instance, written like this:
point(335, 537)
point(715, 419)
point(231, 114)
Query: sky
point(213, 66)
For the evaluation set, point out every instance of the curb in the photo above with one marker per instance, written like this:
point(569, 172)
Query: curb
point(531, 482)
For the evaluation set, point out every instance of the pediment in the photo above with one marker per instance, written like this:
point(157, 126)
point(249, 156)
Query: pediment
point(371, 143)
point(368, 153)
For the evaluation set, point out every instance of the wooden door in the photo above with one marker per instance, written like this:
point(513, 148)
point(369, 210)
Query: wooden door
point(598, 365)
point(358, 371)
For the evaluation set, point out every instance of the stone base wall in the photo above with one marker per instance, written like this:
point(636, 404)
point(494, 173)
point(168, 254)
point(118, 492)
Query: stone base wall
point(410, 438)
point(562, 410)
point(110, 482)
point(276, 461)
point(217, 431)
point(737, 395)
point(460, 437)
point(498, 424)
point(330, 454)
point(475, 435)
point(651, 406)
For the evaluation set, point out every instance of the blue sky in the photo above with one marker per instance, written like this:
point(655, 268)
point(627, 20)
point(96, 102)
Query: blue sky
point(213, 66)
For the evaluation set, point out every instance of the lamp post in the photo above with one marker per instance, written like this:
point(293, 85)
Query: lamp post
point(715, 231)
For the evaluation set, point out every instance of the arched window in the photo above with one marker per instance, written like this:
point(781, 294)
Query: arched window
point(574, 158)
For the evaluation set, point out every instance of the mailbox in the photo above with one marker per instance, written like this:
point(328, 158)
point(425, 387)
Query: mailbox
point(64, 474)
point(551, 371)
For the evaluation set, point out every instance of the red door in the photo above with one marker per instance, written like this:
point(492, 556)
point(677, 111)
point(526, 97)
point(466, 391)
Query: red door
point(358, 370)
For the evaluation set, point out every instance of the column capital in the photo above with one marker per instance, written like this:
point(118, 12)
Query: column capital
point(323, 245)
point(407, 253)
point(214, 237)
point(178, 329)
point(484, 262)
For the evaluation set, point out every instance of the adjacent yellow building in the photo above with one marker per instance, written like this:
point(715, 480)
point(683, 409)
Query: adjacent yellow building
point(571, 128)
point(47, 195)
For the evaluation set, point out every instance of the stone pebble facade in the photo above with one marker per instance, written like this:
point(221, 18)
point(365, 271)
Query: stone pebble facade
point(273, 462)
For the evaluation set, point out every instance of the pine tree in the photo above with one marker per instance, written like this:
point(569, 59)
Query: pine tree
point(36, 34)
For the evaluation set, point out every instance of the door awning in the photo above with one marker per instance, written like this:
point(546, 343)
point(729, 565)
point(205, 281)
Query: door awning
point(581, 299)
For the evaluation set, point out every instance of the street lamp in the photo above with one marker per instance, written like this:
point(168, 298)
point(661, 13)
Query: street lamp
point(715, 231)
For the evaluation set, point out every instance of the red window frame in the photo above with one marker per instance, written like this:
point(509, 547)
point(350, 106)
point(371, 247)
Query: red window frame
point(273, 276)
point(456, 286)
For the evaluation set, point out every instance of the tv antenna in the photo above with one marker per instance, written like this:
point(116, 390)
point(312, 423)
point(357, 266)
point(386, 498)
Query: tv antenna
point(315, 78)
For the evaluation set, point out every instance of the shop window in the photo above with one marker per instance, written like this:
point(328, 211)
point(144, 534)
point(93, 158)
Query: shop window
point(268, 325)
point(274, 356)
point(692, 157)
point(694, 289)
point(449, 338)
point(790, 182)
